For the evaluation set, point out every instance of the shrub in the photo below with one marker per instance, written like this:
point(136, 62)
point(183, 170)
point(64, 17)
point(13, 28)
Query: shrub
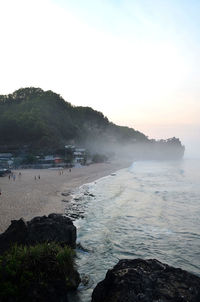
point(25, 271)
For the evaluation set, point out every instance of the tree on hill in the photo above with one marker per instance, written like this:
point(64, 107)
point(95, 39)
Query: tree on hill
point(43, 120)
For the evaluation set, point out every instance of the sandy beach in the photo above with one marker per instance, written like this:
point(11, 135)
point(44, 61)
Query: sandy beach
point(38, 192)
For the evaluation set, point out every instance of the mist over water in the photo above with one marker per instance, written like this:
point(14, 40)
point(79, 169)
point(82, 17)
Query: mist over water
point(193, 150)
point(150, 210)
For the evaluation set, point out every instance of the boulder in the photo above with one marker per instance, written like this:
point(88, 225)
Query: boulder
point(15, 233)
point(147, 281)
point(55, 227)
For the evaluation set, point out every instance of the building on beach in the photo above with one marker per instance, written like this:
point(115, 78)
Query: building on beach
point(75, 155)
point(6, 160)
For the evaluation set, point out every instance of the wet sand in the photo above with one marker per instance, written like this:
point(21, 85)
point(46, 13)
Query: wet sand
point(39, 192)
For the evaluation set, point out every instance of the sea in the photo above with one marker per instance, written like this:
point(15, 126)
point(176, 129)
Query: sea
point(150, 210)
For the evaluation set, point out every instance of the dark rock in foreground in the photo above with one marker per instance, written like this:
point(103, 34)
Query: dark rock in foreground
point(55, 227)
point(147, 281)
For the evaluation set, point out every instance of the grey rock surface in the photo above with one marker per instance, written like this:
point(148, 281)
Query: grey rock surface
point(147, 281)
point(54, 227)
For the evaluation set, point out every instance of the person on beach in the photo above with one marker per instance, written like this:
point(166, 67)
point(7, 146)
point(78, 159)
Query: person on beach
point(38, 176)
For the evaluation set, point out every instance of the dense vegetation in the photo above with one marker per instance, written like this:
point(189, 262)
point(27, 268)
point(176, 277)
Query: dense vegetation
point(34, 117)
point(44, 121)
point(37, 272)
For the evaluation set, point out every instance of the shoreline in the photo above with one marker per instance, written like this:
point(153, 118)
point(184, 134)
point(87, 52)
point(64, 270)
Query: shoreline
point(38, 192)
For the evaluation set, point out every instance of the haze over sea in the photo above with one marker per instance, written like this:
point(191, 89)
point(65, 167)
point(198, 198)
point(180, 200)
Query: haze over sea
point(149, 210)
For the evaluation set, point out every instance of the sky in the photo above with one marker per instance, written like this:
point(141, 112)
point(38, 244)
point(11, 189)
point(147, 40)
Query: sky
point(137, 61)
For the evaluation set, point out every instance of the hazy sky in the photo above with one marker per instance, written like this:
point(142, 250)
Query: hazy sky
point(137, 61)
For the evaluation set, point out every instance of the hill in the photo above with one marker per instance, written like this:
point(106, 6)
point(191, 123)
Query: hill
point(44, 121)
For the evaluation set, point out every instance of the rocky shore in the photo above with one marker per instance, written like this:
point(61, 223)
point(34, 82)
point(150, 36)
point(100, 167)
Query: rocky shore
point(52, 228)
point(36, 260)
point(141, 280)
point(134, 280)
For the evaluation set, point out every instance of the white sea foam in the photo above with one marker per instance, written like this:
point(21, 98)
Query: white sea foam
point(151, 210)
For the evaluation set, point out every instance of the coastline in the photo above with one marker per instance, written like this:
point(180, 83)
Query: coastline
point(38, 192)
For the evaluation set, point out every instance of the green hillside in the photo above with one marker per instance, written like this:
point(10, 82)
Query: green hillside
point(44, 121)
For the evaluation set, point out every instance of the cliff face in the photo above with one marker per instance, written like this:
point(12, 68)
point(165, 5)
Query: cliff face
point(147, 281)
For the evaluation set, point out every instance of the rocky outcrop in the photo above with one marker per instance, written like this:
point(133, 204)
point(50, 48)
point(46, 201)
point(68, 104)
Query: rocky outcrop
point(40, 273)
point(147, 281)
point(55, 227)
